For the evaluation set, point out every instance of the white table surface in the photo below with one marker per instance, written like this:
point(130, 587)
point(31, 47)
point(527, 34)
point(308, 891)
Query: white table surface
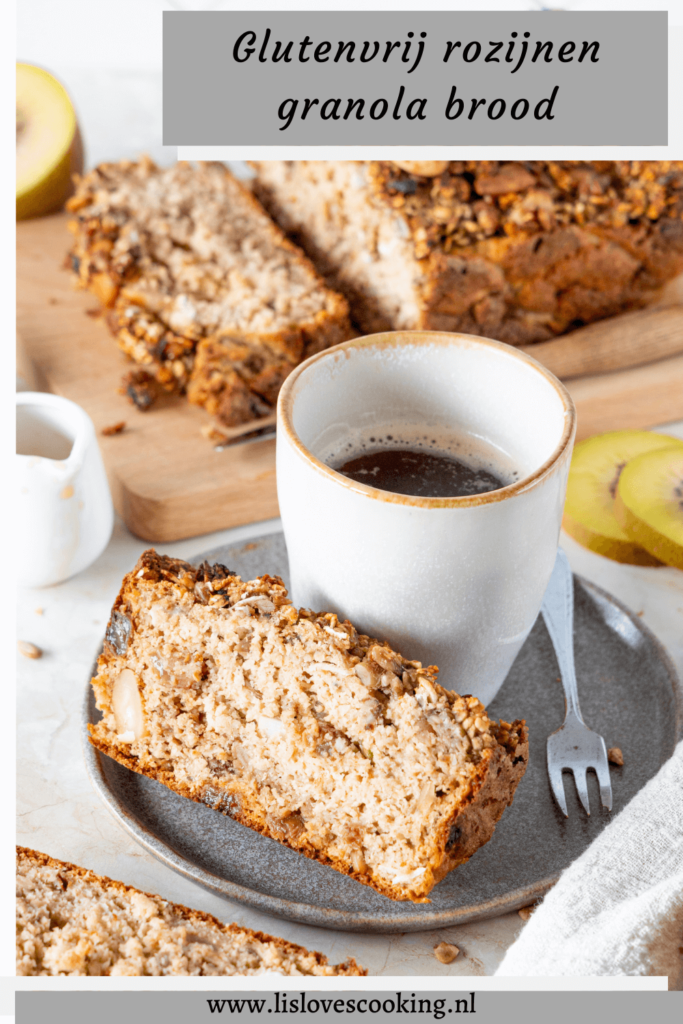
point(60, 814)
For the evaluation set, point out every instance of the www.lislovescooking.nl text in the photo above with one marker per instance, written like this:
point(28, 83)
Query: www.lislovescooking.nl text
point(307, 1003)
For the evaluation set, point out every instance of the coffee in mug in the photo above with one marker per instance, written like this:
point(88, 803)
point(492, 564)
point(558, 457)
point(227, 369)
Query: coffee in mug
point(426, 462)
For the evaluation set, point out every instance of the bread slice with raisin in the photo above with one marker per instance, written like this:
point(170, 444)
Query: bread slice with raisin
point(73, 922)
point(298, 726)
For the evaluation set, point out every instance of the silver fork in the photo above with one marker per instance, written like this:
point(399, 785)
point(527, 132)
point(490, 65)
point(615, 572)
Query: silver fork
point(574, 746)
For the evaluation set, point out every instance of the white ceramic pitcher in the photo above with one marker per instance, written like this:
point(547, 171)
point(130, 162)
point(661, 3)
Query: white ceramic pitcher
point(64, 509)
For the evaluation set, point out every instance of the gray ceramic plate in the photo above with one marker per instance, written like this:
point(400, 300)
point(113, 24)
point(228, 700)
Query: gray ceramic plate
point(629, 693)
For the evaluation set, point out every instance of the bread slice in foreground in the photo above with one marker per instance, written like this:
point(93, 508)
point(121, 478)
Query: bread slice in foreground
point(203, 289)
point(73, 922)
point(296, 725)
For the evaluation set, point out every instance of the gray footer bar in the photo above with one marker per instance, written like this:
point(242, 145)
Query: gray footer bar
point(347, 1004)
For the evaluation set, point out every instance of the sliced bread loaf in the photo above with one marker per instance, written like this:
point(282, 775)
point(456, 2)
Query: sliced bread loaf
point(520, 252)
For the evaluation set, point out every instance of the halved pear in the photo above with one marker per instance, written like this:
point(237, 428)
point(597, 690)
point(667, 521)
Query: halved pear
point(49, 148)
point(596, 467)
point(649, 503)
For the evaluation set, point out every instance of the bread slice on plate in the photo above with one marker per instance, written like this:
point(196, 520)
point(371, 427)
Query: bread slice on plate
point(73, 922)
point(298, 726)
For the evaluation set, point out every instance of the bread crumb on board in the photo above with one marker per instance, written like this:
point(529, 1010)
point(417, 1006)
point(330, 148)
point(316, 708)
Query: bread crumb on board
point(615, 756)
point(114, 428)
point(140, 388)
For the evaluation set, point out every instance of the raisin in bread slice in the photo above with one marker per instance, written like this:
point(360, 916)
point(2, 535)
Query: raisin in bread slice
point(73, 922)
point(298, 726)
point(203, 289)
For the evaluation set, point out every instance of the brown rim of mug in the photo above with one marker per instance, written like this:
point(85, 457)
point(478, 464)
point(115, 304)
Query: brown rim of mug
point(394, 338)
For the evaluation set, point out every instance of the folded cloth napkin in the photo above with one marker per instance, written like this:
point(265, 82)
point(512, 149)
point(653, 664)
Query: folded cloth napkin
point(618, 909)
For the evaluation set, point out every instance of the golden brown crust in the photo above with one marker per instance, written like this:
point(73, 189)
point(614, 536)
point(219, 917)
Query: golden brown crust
point(36, 859)
point(489, 789)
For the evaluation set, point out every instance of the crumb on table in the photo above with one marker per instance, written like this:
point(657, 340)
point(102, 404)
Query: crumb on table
point(526, 912)
point(29, 650)
point(115, 428)
point(446, 952)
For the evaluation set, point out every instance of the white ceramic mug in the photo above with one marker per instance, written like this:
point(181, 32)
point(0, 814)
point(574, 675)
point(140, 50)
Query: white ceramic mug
point(65, 513)
point(456, 582)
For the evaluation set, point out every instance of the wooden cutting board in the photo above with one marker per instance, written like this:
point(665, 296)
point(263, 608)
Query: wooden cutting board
point(167, 481)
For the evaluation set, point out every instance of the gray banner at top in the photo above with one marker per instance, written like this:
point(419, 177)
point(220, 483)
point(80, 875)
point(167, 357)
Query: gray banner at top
point(415, 78)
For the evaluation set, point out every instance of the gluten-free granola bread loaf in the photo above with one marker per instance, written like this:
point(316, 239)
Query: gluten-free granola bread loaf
point(298, 726)
point(520, 252)
point(202, 288)
point(73, 922)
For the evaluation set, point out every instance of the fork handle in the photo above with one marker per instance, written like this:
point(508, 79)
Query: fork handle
point(558, 614)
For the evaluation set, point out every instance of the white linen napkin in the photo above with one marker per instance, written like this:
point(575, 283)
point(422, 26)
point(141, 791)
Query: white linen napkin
point(618, 909)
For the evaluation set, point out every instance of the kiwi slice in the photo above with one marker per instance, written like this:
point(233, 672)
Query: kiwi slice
point(649, 503)
point(589, 515)
point(49, 147)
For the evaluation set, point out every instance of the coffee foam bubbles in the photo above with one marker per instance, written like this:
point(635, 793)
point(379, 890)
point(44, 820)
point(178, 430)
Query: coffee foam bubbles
point(475, 452)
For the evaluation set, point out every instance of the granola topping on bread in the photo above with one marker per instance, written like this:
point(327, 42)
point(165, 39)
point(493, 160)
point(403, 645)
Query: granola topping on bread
point(472, 200)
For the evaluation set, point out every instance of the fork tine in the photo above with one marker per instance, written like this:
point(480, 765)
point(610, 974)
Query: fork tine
point(602, 772)
point(581, 787)
point(555, 775)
